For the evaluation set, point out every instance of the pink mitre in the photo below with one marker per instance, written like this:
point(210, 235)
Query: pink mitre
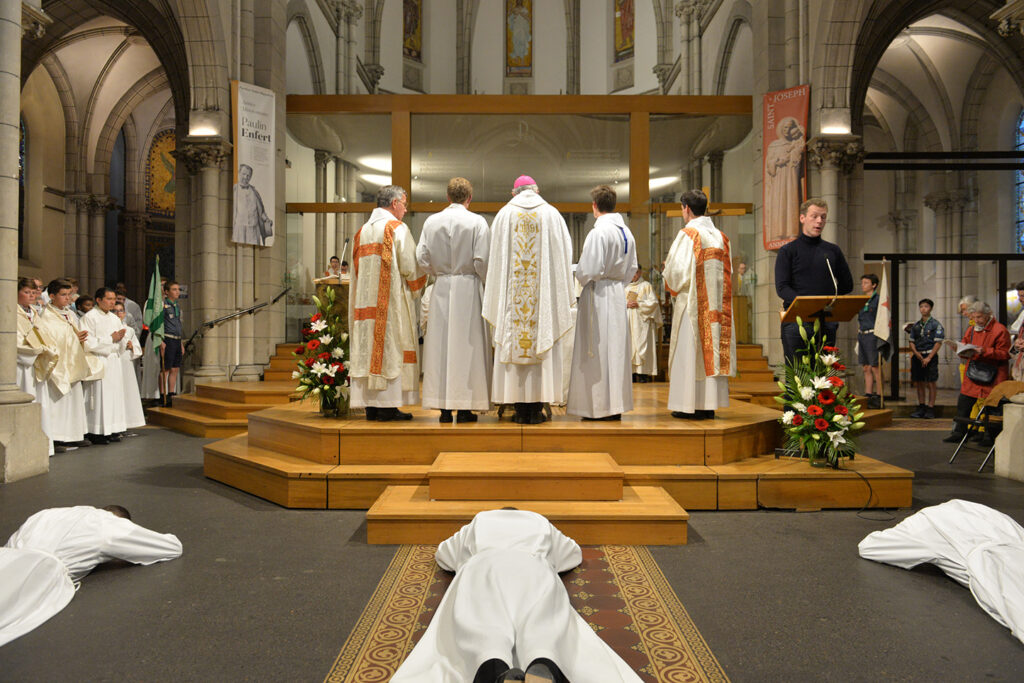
point(523, 180)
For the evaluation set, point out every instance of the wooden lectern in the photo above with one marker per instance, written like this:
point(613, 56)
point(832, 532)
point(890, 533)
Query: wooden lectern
point(828, 309)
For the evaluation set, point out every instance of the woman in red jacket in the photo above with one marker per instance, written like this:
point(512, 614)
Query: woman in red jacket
point(994, 340)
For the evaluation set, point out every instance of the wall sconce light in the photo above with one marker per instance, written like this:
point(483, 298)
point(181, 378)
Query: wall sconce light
point(834, 122)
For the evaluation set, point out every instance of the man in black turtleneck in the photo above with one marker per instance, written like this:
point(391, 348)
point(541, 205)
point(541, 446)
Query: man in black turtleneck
point(801, 270)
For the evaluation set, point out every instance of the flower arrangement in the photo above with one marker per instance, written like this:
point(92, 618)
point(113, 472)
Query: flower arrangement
point(321, 358)
point(819, 412)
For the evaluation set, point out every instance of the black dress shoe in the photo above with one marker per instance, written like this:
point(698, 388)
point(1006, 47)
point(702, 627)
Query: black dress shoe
point(371, 414)
point(543, 671)
point(685, 416)
point(392, 415)
point(705, 415)
point(84, 443)
point(514, 674)
point(953, 438)
point(97, 439)
point(536, 415)
point(606, 418)
point(490, 670)
point(446, 417)
point(114, 438)
point(466, 416)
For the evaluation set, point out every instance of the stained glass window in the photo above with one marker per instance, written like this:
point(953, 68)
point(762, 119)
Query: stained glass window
point(1019, 242)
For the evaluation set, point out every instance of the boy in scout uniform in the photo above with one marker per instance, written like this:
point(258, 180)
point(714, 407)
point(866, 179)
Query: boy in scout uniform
point(172, 348)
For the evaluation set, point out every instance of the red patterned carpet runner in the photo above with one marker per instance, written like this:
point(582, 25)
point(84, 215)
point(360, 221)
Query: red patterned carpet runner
point(618, 590)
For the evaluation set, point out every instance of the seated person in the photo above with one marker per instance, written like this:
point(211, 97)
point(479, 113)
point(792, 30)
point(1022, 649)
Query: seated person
point(507, 610)
point(44, 560)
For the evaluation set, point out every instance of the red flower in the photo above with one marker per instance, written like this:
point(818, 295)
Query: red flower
point(838, 366)
point(309, 362)
point(826, 397)
point(842, 410)
point(313, 344)
point(339, 365)
point(316, 316)
point(836, 382)
point(324, 356)
point(830, 349)
point(797, 420)
point(821, 424)
point(327, 379)
point(299, 351)
point(815, 411)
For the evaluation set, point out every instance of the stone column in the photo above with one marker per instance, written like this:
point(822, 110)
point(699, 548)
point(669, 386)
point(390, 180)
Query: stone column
point(715, 182)
point(134, 226)
point(683, 10)
point(205, 157)
point(348, 13)
point(321, 157)
point(85, 204)
point(698, 7)
point(98, 241)
point(23, 447)
point(834, 155)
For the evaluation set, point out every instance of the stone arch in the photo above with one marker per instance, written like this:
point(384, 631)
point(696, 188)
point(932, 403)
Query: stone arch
point(298, 12)
point(132, 180)
point(741, 14)
point(60, 80)
point(885, 82)
point(977, 87)
point(143, 88)
point(879, 119)
point(939, 87)
point(97, 88)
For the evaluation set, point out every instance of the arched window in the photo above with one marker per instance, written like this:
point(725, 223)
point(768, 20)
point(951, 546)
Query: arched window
point(1019, 242)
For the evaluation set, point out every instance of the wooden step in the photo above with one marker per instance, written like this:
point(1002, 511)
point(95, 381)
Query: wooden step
point(646, 515)
point(744, 351)
point(272, 375)
point(286, 480)
point(264, 393)
point(694, 487)
point(752, 364)
point(182, 420)
point(212, 407)
point(281, 363)
point(285, 348)
point(357, 487)
point(525, 476)
point(756, 375)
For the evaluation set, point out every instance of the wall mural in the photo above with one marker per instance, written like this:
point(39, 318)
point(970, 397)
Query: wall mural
point(624, 15)
point(519, 38)
point(160, 175)
point(412, 29)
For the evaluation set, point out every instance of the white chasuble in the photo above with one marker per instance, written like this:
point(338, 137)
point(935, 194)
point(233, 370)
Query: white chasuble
point(44, 559)
point(702, 351)
point(645, 323)
point(134, 415)
point(601, 379)
point(65, 421)
point(527, 299)
point(507, 602)
point(104, 398)
point(386, 281)
point(454, 247)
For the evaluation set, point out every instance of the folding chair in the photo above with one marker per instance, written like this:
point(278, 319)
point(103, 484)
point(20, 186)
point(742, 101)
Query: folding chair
point(987, 417)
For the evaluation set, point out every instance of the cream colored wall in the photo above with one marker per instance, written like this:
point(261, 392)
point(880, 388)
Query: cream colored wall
point(44, 196)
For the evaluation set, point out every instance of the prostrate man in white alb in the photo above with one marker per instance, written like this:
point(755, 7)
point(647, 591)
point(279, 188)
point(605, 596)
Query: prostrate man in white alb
point(526, 300)
point(384, 368)
point(104, 397)
point(506, 610)
point(65, 422)
point(644, 312)
point(600, 387)
point(454, 247)
point(129, 351)
point(45, 559)
point(702, 351)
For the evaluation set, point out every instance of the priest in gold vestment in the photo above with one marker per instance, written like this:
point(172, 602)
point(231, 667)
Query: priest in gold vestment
point(386, 281)
point(702, 352)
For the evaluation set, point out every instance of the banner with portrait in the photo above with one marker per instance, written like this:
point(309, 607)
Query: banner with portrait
point(784, 183)
point(254, 164)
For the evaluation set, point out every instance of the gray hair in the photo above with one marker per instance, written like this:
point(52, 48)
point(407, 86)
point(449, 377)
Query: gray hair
point(968, 300)
point(523, 188)
point(388, 194)
point(980, 307)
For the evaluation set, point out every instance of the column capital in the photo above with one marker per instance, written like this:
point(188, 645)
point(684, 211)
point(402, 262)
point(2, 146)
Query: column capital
point(198, 154)
point(902, 219)
point(667, 74)
point(842, 152)
point(348, 11)
point(321, 157)
point(135, 221)
point(715, 157)
point(687, 9)
point(938, 201)
point(33, 21)
point(960, 198)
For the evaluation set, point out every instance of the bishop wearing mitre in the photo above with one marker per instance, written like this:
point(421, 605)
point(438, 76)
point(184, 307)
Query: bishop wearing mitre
point(600, 387)
point(527, 300)
point(702, 352)
point(645, 323)
point(104, 397)
point(386, 281)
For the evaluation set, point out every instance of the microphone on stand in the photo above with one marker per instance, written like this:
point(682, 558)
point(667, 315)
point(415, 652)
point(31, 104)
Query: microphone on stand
point(835, 287)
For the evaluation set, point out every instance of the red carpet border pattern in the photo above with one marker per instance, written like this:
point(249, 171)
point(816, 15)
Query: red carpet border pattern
point(618, 590)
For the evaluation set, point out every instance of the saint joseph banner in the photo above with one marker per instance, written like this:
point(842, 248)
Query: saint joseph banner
point(255, 177)
point(785, 163)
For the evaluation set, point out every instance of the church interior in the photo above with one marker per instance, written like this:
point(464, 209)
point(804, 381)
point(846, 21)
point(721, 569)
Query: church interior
point(120, 151)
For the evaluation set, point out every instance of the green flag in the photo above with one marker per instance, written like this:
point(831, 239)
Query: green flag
point(153, 314)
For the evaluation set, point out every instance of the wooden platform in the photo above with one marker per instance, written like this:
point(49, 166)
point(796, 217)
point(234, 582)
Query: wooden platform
point(525, 476)
point(219, 409)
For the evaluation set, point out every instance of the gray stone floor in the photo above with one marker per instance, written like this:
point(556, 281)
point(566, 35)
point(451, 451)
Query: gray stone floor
point(268, 594)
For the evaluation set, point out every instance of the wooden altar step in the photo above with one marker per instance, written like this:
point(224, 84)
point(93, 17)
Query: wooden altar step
point(281, 364)
point(196, 424)
point(525, 476)
point(219, 409)
point(644, 516)
point(752, 365)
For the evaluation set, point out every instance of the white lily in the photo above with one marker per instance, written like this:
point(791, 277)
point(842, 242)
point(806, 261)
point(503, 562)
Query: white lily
point(296, 374)
point(836, 438)
point(326, 339)
point(820, 383)
point(842, 420)
point(829, 359)
point(330, 371)
point(807, 393)
point(319, 326)
point(318, 368)
point(787, 417)
point(800, 407)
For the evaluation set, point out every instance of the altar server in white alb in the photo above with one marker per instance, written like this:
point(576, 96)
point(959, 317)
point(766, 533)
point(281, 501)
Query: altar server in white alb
point(527, 301)
point(36, 357)
point(104, 398)
point(702, 352)
point(454, 247)
point(507, 612)
point(45, 559)
point(645, 323)
point(65, 421)
point(601, 386)
point(130, 350)
point(980, 548)
point(386, 281)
